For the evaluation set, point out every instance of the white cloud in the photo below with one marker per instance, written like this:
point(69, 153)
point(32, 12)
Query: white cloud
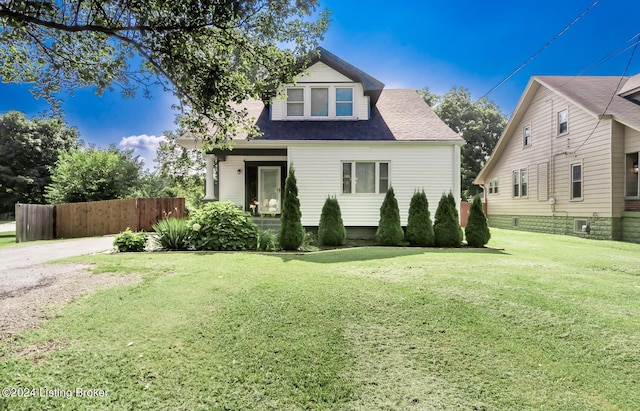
point(144, 146)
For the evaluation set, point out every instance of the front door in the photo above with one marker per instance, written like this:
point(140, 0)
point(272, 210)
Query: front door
point(269, 185)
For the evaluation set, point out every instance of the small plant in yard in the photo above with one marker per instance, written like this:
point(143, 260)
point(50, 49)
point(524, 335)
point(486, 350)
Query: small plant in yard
point(291, 235)
point(477, 229)
point(389, 230)
point(173, 234)
point(419, 225)
point(222, 226)
point(446, 227)
point(129, 241)
point(331, 229)
point(267, 240)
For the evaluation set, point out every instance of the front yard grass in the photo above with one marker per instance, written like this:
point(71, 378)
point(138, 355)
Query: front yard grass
point(7, 238)
point(549, 323)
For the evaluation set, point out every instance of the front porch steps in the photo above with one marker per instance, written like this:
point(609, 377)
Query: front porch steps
point(267, 222)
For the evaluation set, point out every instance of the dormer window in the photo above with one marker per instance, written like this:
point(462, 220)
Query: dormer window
point(295, 102)
point(344, 102)
point(318, 102)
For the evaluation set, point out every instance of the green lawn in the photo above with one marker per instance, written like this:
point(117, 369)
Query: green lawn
point(7, 238)
point(549, 323)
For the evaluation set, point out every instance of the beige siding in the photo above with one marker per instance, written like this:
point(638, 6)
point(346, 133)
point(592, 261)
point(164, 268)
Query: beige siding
point(434, 168)
point(631, 140)
point(618, 168)
point(584, 143)
point(232, 183)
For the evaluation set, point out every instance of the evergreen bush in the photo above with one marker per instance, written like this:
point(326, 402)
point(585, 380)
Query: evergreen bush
point(291, 235)
point(267, 240)
point(222, 226)
point(477, 229)
point(389, 230)
point(454, 209)
point(331, 229)
point(419, 225)
point(447, 224)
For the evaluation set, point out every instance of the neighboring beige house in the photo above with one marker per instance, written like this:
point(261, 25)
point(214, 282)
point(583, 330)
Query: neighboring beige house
point(567, 162)
point(346, 137)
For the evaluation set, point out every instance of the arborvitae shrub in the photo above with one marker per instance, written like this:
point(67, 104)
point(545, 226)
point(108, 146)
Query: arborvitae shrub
point(389, 230)
point(456, 216)
point(419, 225)
point(477, 230)
point(291, 235)
point(447, 225)
point(331, 229)
point(222, 226)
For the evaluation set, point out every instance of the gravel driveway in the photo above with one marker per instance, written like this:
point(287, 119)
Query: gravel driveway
point(28, 287)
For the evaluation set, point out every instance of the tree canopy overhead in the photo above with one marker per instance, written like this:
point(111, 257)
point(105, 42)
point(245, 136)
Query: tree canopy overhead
point(209, 53)
point(479, 122)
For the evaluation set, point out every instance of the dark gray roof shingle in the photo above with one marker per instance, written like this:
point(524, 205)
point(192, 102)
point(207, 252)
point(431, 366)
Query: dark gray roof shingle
point(399, 115)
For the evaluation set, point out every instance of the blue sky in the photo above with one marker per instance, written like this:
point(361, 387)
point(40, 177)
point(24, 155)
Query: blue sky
point(437, 44)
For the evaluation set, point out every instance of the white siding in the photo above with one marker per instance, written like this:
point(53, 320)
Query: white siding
point(434, 168)
point(321, 73)
point(232, 183)
point(584, 143)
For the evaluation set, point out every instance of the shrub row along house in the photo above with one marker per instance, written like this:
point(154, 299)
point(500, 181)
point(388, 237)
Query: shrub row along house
point(567, 161)
point(347, 137)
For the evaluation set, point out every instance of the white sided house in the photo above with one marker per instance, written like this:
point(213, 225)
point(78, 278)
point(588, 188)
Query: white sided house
point(346, 137)
point(567, 162)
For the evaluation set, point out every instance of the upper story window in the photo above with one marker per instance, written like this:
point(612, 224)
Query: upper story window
point(563, 122)
point(344, 102)
point(526, 136)
point(365, 177)
point(317, 102)
point(295, 102)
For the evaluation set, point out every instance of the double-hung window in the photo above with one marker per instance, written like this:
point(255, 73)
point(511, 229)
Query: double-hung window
point(563, 122)
point(365, 177)
point(295, 102)
point(319, 102)
point(576, 181)
point(344, 102)
point(526, 136)
point(493, 187)
point(520, 183)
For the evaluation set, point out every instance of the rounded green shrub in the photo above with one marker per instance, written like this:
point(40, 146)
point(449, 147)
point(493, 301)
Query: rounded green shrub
point(477, 229)
point(129, 241)
point(331, 229)
point(222, 226)
point(446, 227)
point(419, 225)
point(291, 234)
point(389, 230)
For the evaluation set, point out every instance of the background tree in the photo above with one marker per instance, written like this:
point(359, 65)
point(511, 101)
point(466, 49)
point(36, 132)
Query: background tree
point(209, 53)
point(291, 234)
point(419, 225)
point(446, 226)
point(477, 230)
point(92, 174)
point(331, 229)
point(181, 170)
point(479, 122)
point(29, 150)
point(389, 230)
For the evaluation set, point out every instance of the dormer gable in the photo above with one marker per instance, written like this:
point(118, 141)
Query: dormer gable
point(329, 89)
point(631, 89)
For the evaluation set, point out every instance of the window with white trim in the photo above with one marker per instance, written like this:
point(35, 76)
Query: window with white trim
point(632, 183)
point(362, 177)
point(493, 187)
point(295, 102)
point(563, 122)
point(320, 102)
point(576, 181)
point(520, 182)
point(526, 136)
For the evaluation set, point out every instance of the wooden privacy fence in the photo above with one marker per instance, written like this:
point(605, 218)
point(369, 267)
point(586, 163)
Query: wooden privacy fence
point(34, 222)
point(96, 218)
